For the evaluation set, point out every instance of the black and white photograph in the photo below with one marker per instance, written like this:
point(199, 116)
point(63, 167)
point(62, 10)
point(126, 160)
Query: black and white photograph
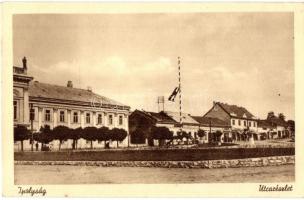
point(153, 98)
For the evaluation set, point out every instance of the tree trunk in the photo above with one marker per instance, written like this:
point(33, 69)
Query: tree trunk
point(59, 145)
point(21, 145)
point(117, 143)
point(91, 144)
point(105, 144)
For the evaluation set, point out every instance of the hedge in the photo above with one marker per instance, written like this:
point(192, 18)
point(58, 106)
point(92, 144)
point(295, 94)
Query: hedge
point(155, 155)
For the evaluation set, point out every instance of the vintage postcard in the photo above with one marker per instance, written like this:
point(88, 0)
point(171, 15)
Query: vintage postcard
point(152, 100)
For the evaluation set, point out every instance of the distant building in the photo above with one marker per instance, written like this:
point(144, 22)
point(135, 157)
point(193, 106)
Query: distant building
point(56, 105)
point(189, 124)
point(274, 127)
point(266, 129)
point(144, 120)
point(211, 125)
point(281, 126)
point(239, 118)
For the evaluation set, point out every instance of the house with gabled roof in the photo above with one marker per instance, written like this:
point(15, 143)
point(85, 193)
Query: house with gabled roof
point(239, 118)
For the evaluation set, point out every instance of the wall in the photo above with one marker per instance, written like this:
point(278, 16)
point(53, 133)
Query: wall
point(236, 125)
point(235, 163)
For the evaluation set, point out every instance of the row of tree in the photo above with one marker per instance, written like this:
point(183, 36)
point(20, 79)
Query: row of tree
point(63, 133)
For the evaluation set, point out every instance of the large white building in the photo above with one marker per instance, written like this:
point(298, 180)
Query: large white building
point(56, 105)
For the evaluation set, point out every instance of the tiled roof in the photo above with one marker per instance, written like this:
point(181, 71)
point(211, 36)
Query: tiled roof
point(186, 118)
point(215, 122)
point(169, 117)
point(160, 117)
point(236, 111)
point(50, 91)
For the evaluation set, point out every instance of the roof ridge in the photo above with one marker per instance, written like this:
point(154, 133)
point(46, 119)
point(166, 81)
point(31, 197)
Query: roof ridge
point(75, 88)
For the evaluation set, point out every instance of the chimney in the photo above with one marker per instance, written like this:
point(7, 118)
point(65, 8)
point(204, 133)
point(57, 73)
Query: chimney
point(89, 89)
point(70, 84)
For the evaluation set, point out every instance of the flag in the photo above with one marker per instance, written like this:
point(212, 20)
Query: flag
point(174, 93)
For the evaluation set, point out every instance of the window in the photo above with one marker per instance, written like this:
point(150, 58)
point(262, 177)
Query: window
point(75, 117)
point(61, 116)
point(120, 120)
point(239, 122)
point(249, 123)
point(233, 122)
point(15, 109)
point(88, 118)
point(110, 119)
point(99, 119)
point(245, 123)
point(254, 124)
point(47, 115)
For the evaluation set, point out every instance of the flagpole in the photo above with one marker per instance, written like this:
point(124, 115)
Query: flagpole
point(180, 95)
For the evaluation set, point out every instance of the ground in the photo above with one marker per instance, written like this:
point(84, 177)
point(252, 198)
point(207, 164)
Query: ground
point(61, 174)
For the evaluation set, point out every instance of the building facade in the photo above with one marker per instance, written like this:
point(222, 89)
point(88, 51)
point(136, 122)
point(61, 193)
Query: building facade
point(267, 130)
point(55, 105)
point(238, 118)
point(21, 82)
point(279, 128)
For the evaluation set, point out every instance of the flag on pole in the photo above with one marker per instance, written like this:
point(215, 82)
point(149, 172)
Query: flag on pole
point(174, 93)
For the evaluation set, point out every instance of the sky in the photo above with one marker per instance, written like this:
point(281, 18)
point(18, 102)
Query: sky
point(244, 59)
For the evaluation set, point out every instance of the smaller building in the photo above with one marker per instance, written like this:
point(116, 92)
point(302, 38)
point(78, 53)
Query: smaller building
point(189, 125)
point(144, 121)
point(211, 125)
point(266, 130)
point(281, 126)
point(274, 128)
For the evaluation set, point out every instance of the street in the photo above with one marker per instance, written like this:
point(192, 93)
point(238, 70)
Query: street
point(63, 174)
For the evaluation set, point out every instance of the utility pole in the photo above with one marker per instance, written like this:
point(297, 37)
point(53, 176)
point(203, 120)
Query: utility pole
point(209, 127)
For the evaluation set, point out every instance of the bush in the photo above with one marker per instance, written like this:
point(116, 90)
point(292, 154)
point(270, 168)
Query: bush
point(157, 154)
point(161, 134)
point(137, 137)
point(201, 133)
point(218, 135)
